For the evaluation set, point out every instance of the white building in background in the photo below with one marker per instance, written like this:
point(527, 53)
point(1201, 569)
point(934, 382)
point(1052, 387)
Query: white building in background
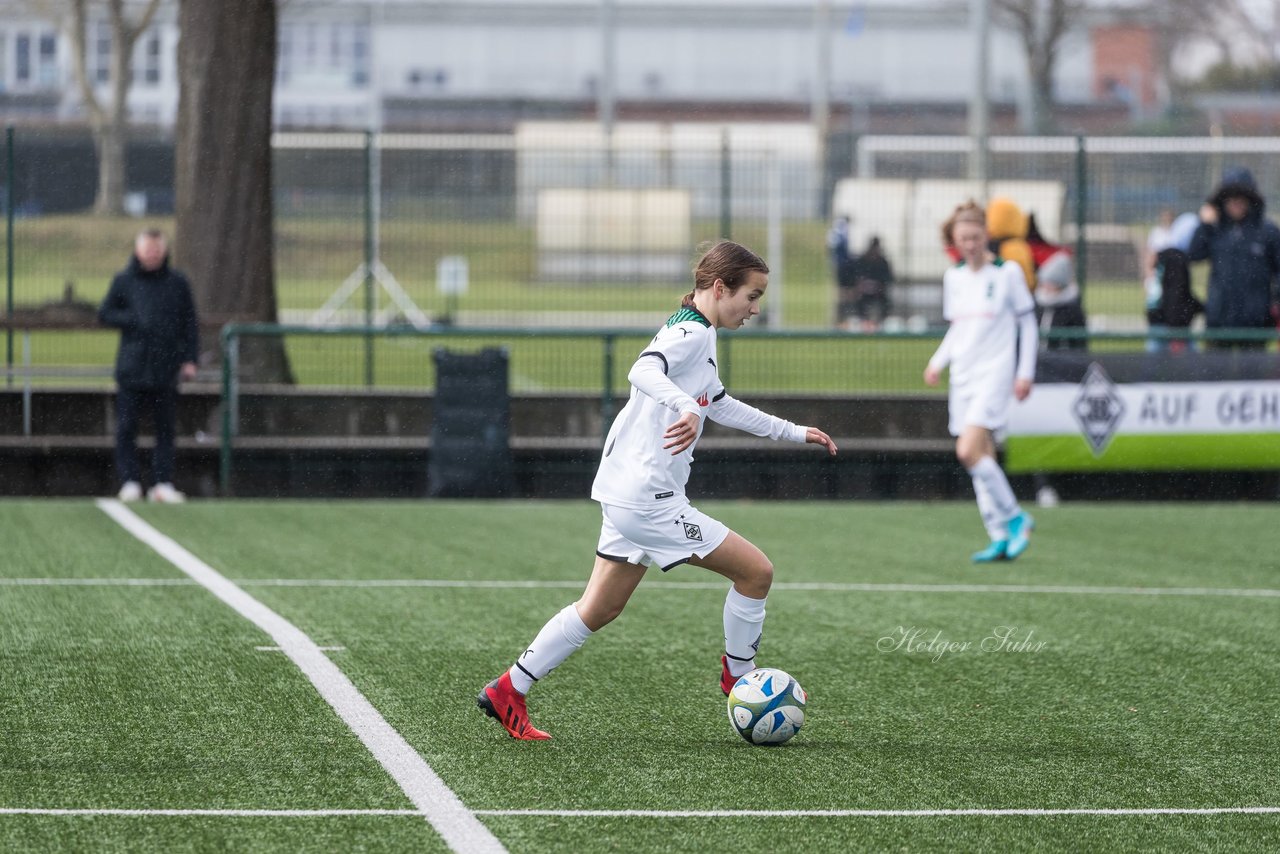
point(342, 61)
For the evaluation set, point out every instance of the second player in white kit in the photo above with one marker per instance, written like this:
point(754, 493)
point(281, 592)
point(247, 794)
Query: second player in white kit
point(990, 347)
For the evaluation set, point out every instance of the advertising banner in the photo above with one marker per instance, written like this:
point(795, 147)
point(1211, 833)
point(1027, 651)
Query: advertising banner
point(1148, 412)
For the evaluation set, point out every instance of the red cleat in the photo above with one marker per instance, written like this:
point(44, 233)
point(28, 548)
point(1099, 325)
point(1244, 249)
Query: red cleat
point(726, 678)
point(501, 700)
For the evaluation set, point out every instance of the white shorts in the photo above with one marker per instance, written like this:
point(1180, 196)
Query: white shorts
point(666, 536)
point(981, 405)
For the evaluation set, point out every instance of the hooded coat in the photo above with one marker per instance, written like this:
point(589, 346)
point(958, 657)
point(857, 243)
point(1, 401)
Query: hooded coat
point(1244, 257)
point(156, 316)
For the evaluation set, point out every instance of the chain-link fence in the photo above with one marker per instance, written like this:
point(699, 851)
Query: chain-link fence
point(555, 227)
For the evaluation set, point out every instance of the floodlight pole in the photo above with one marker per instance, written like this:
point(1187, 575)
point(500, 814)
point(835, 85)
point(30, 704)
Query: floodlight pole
point(605, 91)
point(9, 197)
point(820, 101)
point(979, 104)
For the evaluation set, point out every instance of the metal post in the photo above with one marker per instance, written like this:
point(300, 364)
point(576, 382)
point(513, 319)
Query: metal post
point(1082, 201)
point(820, 100)
point(370, 255)
point(726, 345)
point(979, 106)
point(726, 175)
point(605, 91)
point(606, 395)
point(230, 356)
point(9, 196)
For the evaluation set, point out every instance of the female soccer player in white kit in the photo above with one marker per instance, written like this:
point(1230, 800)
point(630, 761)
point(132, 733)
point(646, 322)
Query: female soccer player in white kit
point(640, 486)
point(991, 348)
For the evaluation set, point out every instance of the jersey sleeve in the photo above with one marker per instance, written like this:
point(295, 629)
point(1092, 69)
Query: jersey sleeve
point(1018, 294)
point(948, 310)
point(734, 413)
point(649, 376)
point(678, 347)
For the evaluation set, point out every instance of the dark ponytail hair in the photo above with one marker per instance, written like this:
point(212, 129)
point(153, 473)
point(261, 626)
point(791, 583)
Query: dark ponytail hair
point(728, 261)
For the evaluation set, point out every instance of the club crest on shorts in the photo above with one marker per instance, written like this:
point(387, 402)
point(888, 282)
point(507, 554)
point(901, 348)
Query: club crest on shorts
point(692, 531)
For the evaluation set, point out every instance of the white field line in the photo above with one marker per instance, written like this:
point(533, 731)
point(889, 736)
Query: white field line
point(459, 827)
point(877, 813)
point(222, 813)
point(527, 584)
point(850, 813)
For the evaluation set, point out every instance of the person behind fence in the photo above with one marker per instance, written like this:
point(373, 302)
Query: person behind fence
point(646, 519)
point(1007, 227)
point(1058, 309)
point(844, 269)
point(871, 279)
point(152, 306)
point(990, 347)
point(1171, 305)
point(1243, 250)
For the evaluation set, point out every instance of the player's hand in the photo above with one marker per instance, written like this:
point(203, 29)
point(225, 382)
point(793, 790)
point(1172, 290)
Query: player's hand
point(1022, 388)
point(682, 433)
point(1209, 214)
point(931, 376)
point(814, 436)
point(188, 371)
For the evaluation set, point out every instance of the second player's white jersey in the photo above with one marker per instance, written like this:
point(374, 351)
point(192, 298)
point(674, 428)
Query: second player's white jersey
point(679, 374)
point(983, 307)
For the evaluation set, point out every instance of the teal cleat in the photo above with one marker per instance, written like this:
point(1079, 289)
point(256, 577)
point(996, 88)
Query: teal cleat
point(998, 550)
point(1020, 528)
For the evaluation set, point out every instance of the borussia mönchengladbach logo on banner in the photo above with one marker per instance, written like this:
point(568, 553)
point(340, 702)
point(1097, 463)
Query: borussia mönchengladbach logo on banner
point(1098, 409)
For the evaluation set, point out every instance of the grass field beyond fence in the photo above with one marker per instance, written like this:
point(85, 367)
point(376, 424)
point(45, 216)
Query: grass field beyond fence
point(1131, 707)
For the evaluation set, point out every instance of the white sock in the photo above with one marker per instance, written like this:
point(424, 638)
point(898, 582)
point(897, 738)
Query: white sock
point(743, 621)
point(1003, 504)
point(559, 638)
point(987, 510)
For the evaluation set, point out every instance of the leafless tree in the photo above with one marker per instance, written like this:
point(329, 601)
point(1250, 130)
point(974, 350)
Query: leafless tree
point(1041, 26)
point(108, 119)
point(222, 184)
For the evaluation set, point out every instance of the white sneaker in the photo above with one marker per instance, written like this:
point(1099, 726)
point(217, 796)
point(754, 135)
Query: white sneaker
point(164, 493)
point(1047, 496)
point(131, 491)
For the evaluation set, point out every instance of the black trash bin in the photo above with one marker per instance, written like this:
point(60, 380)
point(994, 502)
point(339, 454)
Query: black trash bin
point(471, 427)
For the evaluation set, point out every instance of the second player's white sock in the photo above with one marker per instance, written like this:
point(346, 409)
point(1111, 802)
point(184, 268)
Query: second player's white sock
point(559, 638)
point(987, 510)
point(1003, 502)
point(743, 621)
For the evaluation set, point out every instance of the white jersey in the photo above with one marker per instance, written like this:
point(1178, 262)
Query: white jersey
point(675, 373)
point(986, 309)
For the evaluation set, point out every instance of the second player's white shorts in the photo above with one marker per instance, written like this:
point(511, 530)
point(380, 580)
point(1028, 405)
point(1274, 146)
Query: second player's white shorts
point(979, 404)
point(666, 536)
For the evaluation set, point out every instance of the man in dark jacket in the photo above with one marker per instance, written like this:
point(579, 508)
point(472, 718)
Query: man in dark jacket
point(152, 307)
point(1243, 247)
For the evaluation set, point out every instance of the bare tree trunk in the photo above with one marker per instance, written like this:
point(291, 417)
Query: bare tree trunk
point(224, 230)
point(111, 133)
point(1041, 26)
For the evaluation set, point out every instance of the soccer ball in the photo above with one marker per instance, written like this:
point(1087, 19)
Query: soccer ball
point(766, 706)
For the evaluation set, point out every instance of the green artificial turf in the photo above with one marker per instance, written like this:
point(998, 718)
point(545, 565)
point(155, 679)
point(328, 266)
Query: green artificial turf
point(154, 697)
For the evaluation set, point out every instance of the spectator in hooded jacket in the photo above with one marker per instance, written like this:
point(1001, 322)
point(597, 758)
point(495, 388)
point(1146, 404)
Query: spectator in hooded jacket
point(1243, 249)
point(151, 304)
